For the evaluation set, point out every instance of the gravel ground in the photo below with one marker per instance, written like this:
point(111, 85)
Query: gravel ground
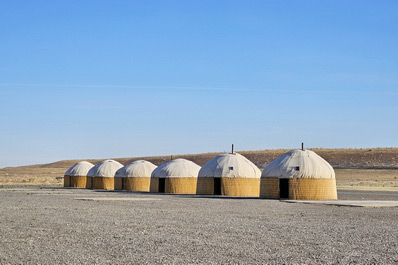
point(50, 226)
point(368, 195)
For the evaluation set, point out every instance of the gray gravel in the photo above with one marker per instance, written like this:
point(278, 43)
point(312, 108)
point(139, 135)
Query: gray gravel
point(50, 226)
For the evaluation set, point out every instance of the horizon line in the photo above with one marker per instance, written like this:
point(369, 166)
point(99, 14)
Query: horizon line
point(187, 154)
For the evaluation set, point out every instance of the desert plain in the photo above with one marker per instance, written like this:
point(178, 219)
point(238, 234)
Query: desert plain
point(43, 223)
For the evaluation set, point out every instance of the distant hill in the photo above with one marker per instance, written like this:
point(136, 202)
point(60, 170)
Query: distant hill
point(364, 158)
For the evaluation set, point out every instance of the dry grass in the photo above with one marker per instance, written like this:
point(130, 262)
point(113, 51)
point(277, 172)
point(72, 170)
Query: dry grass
point(368, 167)
point(367, 177)
point(31, 176)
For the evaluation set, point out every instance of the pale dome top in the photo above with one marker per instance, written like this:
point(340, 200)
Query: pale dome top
point(136, 169)
point(230, 165)
point(177, 168)
point(79, 169)
point(299, 164)
point(105, 168)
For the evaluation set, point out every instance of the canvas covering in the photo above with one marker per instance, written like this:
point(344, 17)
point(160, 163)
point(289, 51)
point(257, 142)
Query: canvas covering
point(299, 164)
point(230, 165)
point(79, 169)
point(106, 169)
point(136, 169)
point(177, 168)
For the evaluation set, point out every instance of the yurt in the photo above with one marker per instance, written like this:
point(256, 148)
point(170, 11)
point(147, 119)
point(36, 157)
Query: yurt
point(135, 176)
point(104, 173)
point(299, 175)
point(229, 174)
point(67, 182)
point(78, 174)
point(177, 176)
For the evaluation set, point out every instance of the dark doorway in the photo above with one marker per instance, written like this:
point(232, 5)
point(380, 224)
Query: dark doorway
point(284, 188)
point(217, 186)
point(162, 185)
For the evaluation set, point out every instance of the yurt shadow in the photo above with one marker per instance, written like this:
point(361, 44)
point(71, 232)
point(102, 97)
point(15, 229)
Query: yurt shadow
point(222, 197)
point(135, 192)
point(110, 191)
point(143, 193)
point(56, 188)
point(165, 194)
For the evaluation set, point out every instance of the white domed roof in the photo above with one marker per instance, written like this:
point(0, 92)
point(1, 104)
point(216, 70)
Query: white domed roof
point(299, 164)
point(177, 168)
point(90, 173)
point(105, 168)
point(79, 169)
point(136, 169)
point(230, 165)
point(68, 171)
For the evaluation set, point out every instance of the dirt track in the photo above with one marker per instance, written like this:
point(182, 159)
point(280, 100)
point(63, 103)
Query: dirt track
point(51, 226)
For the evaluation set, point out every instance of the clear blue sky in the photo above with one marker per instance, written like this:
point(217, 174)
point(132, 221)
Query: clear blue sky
point(99, 79)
